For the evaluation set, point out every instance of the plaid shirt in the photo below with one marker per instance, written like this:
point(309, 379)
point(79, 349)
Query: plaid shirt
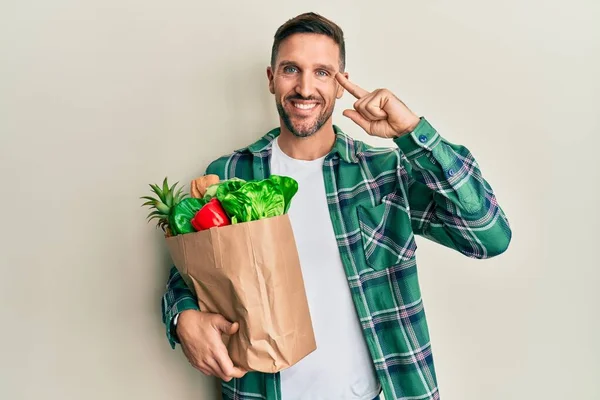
point(378, 199)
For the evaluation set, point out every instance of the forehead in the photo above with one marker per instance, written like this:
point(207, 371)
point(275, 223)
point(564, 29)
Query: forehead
point(308, 49)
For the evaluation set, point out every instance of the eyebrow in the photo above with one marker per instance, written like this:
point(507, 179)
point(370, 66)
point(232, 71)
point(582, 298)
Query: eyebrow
point(327, 67)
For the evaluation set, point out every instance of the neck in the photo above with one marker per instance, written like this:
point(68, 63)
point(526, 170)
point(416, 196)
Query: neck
point(308, 148)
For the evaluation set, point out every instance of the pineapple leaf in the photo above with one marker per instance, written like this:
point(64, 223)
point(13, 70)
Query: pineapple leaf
point(162, 204)
point(155, 214)
point(160, 221)
point(155, 188)
point(179, 196)
point(163, 208)
point(159, 193)
point(172, 189)
point(169, 199)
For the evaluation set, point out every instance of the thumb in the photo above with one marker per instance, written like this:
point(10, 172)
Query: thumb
point(358, 119)
point(238, 373)
point(225, 326)
point(233, 328)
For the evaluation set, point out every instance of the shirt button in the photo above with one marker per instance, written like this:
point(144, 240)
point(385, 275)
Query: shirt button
point(422, 138)
point(451, 172)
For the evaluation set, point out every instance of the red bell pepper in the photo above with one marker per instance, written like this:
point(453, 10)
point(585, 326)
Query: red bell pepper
point(210, 215)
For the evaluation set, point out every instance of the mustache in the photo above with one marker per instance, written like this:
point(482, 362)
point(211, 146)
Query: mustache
point(299, 97)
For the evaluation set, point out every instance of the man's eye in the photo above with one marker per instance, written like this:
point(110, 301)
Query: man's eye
point(322, 73)
point(290, 70)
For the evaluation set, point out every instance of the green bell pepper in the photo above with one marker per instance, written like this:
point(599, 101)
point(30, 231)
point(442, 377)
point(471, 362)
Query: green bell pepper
point(181, 215)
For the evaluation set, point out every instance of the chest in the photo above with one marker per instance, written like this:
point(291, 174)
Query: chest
point(366, 204)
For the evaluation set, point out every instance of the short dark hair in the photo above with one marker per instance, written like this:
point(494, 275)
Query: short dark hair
point(310, 23)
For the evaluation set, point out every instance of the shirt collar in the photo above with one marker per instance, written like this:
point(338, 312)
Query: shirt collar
point(345, 147)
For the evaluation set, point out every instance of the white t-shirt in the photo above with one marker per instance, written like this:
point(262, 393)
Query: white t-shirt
point(341, 367)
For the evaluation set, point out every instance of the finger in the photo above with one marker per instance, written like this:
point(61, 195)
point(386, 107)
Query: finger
point(353, 89)
point(358, 119)
point(214, 366)
point(375, 113)
point(203, 367)
point(221, 355)
point(199, 365)
point(368, 109)
point(227, 366)
point(189, 354)
point(233, 328)
point(238, 372)
point(224, 326)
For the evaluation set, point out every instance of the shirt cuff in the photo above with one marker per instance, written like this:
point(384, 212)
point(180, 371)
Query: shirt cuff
point(422, 139)
point(177, 308)
point(425, 140)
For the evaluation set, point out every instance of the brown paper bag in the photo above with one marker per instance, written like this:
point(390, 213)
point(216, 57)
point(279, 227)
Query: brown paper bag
point(250, 273)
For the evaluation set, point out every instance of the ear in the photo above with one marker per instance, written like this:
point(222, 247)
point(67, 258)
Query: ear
point(270, 76)
point(340, 89)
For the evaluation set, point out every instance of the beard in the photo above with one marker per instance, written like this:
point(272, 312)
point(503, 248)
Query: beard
point(304, 128)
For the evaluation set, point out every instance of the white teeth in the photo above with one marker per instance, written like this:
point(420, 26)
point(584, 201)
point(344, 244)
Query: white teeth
point(305, 106)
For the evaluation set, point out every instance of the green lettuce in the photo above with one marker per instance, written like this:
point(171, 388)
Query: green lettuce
point(288, 187)
point(225, 187)
point(254, 200)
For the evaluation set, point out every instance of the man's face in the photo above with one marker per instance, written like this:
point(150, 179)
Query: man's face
point(303, 82)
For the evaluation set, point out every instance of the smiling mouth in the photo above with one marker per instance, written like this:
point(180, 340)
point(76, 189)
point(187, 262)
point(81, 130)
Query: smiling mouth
point(304, 106)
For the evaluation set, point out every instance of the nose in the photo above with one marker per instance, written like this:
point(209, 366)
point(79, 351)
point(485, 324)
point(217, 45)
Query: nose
point(305, 86)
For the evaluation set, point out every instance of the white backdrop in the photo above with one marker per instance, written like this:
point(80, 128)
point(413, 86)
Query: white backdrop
point(100, 98)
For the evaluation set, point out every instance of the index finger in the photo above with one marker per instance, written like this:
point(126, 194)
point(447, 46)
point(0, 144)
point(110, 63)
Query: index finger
point(354, 90)
point(228, 369)
point(224, 361)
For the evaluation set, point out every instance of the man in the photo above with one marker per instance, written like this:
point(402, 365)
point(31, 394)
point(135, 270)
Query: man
point(354, 219)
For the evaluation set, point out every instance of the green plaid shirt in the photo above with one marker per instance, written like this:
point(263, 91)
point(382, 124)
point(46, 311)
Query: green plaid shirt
point(378, 199)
